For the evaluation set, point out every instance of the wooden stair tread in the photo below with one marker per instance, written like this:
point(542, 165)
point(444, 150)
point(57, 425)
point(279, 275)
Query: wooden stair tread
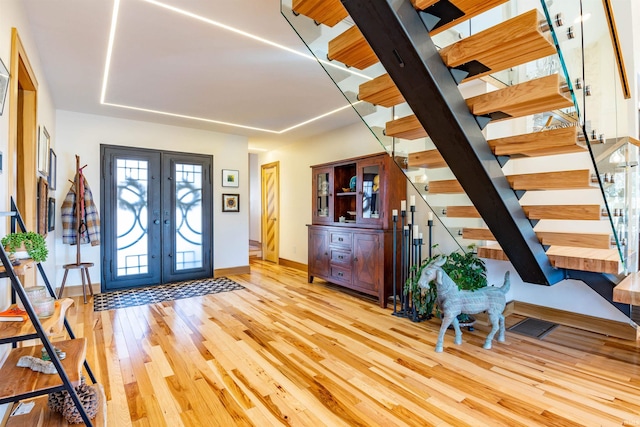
point(549, 238)
point(41, 416)
point(405, 127)
point(327, 12)
point(16, 381)
point(50, 325)
point(380, 91)
point(585, 259)
point(561, 180)
point(531, 97)
point(570, 212)
point(462, 212)
point(628, 290)
point(513, 42)
point(545, 143)
point(445, 186)
point(431, 159)
point(351, 48)
point(470, 8)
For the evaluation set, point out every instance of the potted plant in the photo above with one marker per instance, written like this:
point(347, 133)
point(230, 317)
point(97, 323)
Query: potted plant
point(33, 243)
point(466, 269)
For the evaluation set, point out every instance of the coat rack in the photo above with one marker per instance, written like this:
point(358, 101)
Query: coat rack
point(78, 183)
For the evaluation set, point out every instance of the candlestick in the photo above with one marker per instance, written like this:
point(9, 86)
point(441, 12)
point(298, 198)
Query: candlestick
point(403, 205)
point(420, 236)
point(415, 231)
point(394, 212)
point(412, 200)
point(430, 216)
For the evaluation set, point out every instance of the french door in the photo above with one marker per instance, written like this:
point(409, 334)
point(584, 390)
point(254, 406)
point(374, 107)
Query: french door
point(156, 217)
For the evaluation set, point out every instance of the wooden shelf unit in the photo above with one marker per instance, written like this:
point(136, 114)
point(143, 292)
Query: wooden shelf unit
point(51, 325)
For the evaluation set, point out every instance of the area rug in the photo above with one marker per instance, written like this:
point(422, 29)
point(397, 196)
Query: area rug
point(161, 293)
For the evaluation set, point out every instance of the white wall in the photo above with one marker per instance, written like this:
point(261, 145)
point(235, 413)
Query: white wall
point(255, 195)
point(81, 134)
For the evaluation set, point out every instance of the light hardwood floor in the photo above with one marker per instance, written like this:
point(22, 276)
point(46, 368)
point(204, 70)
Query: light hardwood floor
point(285, 352)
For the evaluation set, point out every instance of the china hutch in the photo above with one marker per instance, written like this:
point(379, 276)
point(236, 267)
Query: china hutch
point(351, 235)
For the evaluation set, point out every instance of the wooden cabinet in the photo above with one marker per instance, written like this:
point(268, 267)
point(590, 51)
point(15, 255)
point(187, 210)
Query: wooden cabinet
point(350, 238)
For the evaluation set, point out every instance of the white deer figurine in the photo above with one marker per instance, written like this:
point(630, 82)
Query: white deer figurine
point(452, 301)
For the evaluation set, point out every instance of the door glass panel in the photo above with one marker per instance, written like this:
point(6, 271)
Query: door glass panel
point(188, 231)
point(370, 190)
point(131, 219)
point(323, 194)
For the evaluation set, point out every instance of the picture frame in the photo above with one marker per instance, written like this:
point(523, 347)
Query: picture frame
point(53, 166)
point(230, 203)
point(4, 85)
point(230, 178)
point(42, 206)
point(43, 151)
point(51, 214)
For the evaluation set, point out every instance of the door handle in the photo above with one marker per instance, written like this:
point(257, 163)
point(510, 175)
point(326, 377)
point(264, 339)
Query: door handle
point(156, 221)
point(166, 222)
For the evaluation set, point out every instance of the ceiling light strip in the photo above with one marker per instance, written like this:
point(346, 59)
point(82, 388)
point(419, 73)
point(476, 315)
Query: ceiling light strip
point(112, 36)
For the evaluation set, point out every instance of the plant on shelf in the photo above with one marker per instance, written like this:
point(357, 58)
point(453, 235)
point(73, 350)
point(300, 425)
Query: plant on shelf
point(466, 269)
point(33, 243)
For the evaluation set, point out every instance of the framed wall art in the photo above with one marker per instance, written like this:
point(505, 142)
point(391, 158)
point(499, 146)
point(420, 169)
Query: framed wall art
point(43, 151)
point(230, 203)
point(230, 178)
point(4, 85)
point(53, 163)
point(43, 206)
point(51, 214)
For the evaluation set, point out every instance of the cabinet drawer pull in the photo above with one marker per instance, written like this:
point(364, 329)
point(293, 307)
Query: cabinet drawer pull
point(340, 239)
point(340, 256)
point(340, 273)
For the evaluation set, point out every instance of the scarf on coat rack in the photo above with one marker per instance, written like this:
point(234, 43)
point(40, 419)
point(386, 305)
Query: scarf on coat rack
point(89, 227)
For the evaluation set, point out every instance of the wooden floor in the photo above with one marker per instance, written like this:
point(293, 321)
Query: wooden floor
point(285, 352)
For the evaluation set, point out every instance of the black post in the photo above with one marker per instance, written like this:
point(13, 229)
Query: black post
point(395, 223)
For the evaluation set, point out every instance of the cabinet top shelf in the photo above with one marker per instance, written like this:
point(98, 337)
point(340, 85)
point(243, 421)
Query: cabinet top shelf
point(19, 381)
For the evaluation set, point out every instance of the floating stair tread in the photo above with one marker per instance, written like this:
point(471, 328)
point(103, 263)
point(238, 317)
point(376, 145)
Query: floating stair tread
point(549, 238)
point(462, 212)
point(570, 212)
point(628, 290)
point(585, 259)
point(545, 143)
point(380, 91)
point(431, 159)
point(16, 381)
point(470, 8)
point(513, 42)
point(42, 416)
point(50, 325)
point(572, 179)
point(492, 251)
point(352, 49)
point(579, 240)
point(531, 97)
point(405, 127)
point(446, 186)
point(327, 12)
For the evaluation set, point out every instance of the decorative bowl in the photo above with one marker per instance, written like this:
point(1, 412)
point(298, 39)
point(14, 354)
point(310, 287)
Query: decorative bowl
point(45, 307)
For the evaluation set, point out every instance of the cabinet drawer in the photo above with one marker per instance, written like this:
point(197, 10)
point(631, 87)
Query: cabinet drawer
point(340, 274)
point(340, 257)
point(340, 238)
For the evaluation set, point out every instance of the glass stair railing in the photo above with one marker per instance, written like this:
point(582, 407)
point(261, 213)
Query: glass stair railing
point(413, 149)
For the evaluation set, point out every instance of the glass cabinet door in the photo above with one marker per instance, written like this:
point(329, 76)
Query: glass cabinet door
point(370, 195)
point(323, 195)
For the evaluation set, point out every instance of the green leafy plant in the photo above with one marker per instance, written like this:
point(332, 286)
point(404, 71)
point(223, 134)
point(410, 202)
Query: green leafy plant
point(465, 268)
point(33, 243)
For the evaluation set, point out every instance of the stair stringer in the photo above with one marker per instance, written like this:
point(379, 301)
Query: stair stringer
point(402, 43)
point(603, 284)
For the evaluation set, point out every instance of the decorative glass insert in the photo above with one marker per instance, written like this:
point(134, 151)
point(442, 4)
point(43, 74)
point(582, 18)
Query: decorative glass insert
point(188, 230)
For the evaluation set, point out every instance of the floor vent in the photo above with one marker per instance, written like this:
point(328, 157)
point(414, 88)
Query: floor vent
point(535, 328)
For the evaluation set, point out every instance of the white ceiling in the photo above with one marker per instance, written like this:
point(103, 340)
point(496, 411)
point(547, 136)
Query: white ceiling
point(167, 61)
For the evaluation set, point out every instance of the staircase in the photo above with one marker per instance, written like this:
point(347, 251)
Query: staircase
point(549, 222)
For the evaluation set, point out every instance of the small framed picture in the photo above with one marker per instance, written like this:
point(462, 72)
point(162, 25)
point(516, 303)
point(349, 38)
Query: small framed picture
point(230, 178)
point(4, 85)
point(52, 214)
point(53, 163)
point(43, 151)
point(230, 203)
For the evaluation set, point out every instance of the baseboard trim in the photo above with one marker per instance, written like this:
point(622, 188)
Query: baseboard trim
point(293, 264)
point(598, 325)
point(223, 272)
point(76, 291)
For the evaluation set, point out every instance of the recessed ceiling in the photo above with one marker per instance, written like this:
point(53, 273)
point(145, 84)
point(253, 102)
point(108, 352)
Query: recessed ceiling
point(172, 59)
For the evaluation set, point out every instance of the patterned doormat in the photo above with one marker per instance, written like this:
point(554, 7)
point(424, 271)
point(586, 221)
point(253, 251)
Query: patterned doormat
point(161, 293)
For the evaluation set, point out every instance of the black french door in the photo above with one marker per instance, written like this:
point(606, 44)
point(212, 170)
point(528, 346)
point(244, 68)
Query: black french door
point(156, 210)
